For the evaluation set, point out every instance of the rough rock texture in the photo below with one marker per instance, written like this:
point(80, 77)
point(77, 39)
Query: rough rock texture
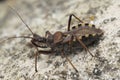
point(16, 60)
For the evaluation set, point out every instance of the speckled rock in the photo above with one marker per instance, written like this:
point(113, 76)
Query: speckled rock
point(16, 58)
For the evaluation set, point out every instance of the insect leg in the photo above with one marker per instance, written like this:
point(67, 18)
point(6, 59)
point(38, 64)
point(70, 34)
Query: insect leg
point(36, 56)
point(84, 46)
point(69, 40)
point(63, 54)
point(47, 34)
point(70, 44)
point(70, 18)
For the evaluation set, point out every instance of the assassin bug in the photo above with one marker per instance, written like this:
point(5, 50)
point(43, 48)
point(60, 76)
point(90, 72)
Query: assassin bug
point(61, 38)
point(77, 34)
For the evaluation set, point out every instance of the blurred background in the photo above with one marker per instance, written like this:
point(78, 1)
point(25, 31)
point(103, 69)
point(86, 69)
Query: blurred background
point(49, 10)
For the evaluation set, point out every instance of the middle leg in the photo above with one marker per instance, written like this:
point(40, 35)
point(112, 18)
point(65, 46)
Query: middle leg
point(83, 45)
point(64, 55)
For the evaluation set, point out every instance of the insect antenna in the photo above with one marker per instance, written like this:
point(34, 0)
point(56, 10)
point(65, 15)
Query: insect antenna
point(21, 19)
point(8, 38)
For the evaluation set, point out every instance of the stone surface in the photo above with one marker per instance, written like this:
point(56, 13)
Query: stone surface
point(16, 61)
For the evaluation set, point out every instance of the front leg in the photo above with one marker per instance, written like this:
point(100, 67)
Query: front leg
point(41, 52)
point(48, 34)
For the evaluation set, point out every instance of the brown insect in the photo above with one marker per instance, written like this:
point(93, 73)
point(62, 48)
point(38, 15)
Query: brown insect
point(80, 33)
point(59, 38)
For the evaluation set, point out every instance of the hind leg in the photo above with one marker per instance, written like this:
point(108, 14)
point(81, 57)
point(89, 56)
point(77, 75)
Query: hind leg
point(70, 18)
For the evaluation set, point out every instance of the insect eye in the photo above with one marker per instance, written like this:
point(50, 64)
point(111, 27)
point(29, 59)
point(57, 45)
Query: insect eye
point(79, 25)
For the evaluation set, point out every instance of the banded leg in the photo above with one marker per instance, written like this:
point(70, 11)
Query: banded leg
point(70, 18)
